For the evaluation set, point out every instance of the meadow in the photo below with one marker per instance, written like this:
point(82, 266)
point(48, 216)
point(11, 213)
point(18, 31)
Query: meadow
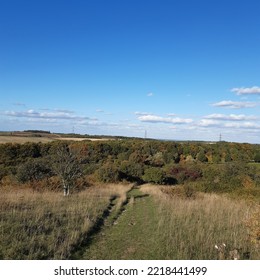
point(129, 199)
point(25, 137)
point(196, 224)
point(118, 221)
point(46, 225)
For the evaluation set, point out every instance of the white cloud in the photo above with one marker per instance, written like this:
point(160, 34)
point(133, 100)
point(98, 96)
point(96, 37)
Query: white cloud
point(245, 125)
point(150, 94)
point(231, 117)
point(208, 122)
point(245, 91)
point(235, 104)
point(54, 115)
point(159, 119)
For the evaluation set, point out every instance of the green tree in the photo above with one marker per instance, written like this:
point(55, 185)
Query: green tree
point(201, 156)
point(131, 171)
point(257, 156)
point(108, 173)
point(154, 175)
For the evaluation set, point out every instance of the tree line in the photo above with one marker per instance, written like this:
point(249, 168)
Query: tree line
point(79, 164)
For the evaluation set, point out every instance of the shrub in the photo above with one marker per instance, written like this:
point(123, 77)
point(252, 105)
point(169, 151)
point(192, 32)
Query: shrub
point(183, 173)
point(154, 175)
point(33, 170)
point(228, 177)
point(201, 156)
point(257, 157)
point(108, 173)
point(131, 171)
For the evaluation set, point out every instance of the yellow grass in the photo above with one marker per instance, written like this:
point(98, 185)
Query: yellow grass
point(23, 139)
point(47, 225)
point(190, 228)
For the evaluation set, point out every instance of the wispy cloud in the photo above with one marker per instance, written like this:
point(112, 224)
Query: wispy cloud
point(149, 94)
point(229, 127)
point(235, 104)
point(244, 125)
point(231, 117)
point(159, 119)
point(64, 111)
point(142, 113)
point(52, 115)
point(57, 110)
point(245, 91)
point(19, 104)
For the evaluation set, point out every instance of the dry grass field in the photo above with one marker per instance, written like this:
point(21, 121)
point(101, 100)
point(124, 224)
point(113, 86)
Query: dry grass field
point(21, 138)
point(191, 227)
point(152, 222)
point(47, 225)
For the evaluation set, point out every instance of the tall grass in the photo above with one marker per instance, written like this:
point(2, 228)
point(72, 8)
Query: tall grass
point(190, 228)
point(47, 225)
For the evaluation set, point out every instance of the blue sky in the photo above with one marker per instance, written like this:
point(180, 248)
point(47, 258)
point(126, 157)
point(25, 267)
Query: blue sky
point(185, 70)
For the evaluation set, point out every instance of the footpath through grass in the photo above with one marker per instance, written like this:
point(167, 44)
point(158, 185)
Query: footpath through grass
point(133, 235)
point(156, 225)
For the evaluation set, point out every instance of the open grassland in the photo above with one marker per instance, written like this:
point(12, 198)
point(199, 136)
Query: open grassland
point(24, 139)
point(47, 225)
point(191, 227)
point(116, 221)
point(156, 224)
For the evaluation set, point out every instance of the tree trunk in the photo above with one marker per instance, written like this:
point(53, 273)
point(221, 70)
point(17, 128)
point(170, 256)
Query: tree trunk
point(65, 189)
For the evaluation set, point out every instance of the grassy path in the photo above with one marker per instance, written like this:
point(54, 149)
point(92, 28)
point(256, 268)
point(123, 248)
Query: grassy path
point(133, 235)
point(153, 227)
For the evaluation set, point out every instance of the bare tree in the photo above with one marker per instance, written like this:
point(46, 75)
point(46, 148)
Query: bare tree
point(66, 166)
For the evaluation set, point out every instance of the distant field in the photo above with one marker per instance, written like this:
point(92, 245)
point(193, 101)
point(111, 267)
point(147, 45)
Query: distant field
point(23, 139)
point(43, 139)
point(82, 139)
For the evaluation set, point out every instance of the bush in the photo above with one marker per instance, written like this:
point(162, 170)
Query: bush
point(154, 175)
point(182, 173)
point(228, 177)
point(257, 157)
point(186, 191)
point(131, 171)
point(108, 173)
point(3, 171)
point(33, 170)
